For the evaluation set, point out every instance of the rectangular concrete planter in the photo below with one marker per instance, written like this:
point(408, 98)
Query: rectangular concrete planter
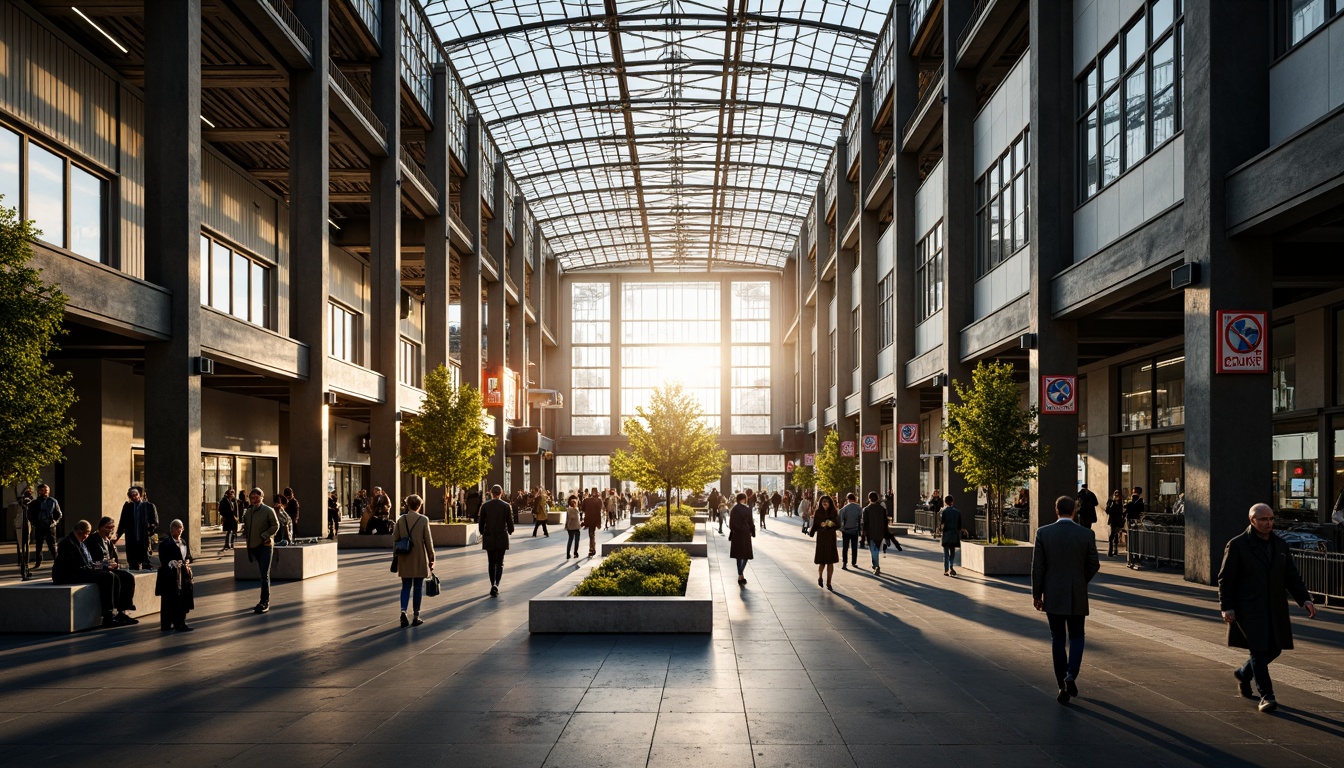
point(554, 518)
point(454, 535)
point(641, 519)
point(364, 541)
point(40, 606)
point(996, 560)
point(556, 611)
point(290, 563)
point(696, 547)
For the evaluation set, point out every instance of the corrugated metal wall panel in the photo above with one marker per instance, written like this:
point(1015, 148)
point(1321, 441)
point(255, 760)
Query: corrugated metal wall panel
point(55, 89)
point(235, 208)
point(132, 196)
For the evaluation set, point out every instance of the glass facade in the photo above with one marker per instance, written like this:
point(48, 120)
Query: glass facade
point(929, 272)
point(750, 358)
point(590, 371)
point(64, 201)
point(1283, 367)
point(1002, 201)
point(671, 332)
point(759, 472)
point(579, 473)
point(234, 282)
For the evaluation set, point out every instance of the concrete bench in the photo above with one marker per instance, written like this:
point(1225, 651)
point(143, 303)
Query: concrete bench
point(40, 606)
point(291, 563)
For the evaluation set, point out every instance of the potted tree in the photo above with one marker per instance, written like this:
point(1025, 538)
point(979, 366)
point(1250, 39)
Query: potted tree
point(36, 418)
point(447, 445)
point(994, 444)
point(670, 446)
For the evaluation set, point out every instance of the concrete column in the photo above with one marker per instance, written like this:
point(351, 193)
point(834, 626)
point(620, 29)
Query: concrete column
point(1227, 460)
point(517, 271)
point(437, 273)
point(1101, 478)
point(385, 226)
point(905, 409)
point(172, 242)
point(536, 370)
point(469, 290)
point(845, 300)
point(825, 293)
point(1050, 226)
point(496, 312)
point(958, 226)
point(309, 272)
point(807, 321)
point(870, 416)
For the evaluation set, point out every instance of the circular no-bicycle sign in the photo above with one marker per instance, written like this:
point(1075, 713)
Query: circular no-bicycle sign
point(1060, 394)
point(1243, 334)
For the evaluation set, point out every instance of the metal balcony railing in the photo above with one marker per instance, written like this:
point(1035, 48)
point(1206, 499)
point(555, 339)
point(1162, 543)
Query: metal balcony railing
point(361, 106)
point(371, 13)
point(883, 68)
point(417, 172)
point(287, 15)
point(976, 13)
point(919, 13)
point(853, 141)
point(419, 53)
point(933, 88)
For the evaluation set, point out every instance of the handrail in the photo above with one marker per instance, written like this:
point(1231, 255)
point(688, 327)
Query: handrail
point(361, 106)
point(919, 12)
point(976, 13)
point(935, 85)
point(883, 70)
point(370, 13)
point(851, 132)
point(291, 20)
point(417, 172)
point(419, 53)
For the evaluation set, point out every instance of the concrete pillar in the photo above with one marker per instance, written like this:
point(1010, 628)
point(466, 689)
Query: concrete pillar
point(1227, 459)
point(172, 242)
point(536, 368)
point(845, 301)
point(825, 294)
point(470, 283)
point(517, 271)
point(870, 415)
point(309, 272)
point(494, 323)
point(905, 409)
point(1050, 226)
point(437, 273)
point(385, 226)
point(958, 227)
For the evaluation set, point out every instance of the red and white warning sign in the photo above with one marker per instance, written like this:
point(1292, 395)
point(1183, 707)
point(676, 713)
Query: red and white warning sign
point(908, 434)
point(847, 448)
point(1241, 342)
point(870, 444)
point(1059, 394)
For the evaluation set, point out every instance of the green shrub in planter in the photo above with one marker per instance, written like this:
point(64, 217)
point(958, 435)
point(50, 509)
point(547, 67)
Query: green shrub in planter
point(683, 529)
point(638, 572)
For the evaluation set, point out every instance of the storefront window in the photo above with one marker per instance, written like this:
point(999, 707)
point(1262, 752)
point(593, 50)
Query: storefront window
point(1170, 391)
point(1136, 397)
point(1295, 470)
point(1166, 472)
point(1082, 406)
point(1283, 367)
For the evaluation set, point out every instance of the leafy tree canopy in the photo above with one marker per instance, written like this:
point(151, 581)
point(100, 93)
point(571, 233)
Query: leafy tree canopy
point(35, 399)
point(992, 439)
point(836, 474)
point(804, 478)
point(446, 443)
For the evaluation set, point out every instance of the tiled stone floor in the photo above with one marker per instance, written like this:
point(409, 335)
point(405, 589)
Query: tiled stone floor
point(912, 668)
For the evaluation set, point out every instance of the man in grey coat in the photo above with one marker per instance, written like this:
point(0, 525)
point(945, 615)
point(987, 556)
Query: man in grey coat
point(1064, 561)
point(1257, 571)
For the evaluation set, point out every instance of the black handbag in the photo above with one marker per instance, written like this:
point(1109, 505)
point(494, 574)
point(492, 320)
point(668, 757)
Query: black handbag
point(432, 586)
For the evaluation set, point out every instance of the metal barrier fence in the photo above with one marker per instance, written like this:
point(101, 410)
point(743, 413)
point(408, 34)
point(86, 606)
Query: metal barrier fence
point(926, 520)
point(1323, 573)
point(1164, 545)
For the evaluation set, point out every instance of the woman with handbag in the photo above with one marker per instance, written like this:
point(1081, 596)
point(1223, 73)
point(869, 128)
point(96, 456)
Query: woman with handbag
point(825, 526)
point(414, 549)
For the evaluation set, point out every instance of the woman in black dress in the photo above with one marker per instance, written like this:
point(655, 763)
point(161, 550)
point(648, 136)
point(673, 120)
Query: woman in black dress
point(825, 525)
point(228, 517)
point(174, 586)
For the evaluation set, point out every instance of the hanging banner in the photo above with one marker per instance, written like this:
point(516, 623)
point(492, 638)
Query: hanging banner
point(908, 434)
point(847, 448)
point(1241, 342)
point(870, 444)
point(1059, 394)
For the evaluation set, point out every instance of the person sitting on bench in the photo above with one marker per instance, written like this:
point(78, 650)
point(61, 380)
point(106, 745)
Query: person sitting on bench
point(74, 565)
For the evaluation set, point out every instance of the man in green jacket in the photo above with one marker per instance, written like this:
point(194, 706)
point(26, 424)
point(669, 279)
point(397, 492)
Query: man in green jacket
point(261, 524)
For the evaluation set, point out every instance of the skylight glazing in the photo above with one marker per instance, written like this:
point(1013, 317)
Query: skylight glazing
point(706, 147)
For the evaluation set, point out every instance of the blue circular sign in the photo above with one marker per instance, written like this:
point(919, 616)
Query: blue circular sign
point(1243, 334)
point(1059, 391)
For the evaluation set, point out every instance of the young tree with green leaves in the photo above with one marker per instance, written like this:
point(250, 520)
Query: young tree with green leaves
point(670, 445)
point(992, 438)
point(804, 478)
point(35, 399)
point(446, 443)
point(836, 474)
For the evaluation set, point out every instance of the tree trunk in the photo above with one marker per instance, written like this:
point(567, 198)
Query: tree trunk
point(667, 507)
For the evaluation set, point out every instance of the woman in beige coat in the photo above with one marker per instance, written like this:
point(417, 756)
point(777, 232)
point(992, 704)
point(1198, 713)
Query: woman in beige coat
point(414, 566)
point(572, 525)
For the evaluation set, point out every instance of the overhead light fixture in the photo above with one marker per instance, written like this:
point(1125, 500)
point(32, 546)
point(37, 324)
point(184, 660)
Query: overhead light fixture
point(206, 120)
point(334, 225)
point(101, 31)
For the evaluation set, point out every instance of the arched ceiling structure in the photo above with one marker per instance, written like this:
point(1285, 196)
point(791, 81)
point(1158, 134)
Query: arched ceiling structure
point(664, 134)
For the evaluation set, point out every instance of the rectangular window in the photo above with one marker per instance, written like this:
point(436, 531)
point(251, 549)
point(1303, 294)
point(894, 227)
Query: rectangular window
point(1002, 220)
point(885, 319)
point(46, 194)
point(929, 272)
point(64, 201)
point(1130, 99)
point(1136, 397)
point(234, 282)
point(750, 357)
point(1296, 19)
point(590, 372)
point(86, 214)
point(835, 360)
point(854, 345)
point(409, 371)
point(344, 333)
point(11, 149)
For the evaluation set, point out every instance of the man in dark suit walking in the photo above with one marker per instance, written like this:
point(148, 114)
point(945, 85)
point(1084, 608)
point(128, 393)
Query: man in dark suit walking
point(496, 526)
point(1257, 569)
point(1064, 561)
point(139, 521)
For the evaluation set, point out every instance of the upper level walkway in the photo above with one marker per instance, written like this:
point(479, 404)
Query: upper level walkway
point(912, 668)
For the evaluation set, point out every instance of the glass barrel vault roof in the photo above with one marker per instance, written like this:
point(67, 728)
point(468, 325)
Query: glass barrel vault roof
point(664, 135)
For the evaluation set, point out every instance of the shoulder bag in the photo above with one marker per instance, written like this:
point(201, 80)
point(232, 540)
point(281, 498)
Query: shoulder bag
point(403, 545)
